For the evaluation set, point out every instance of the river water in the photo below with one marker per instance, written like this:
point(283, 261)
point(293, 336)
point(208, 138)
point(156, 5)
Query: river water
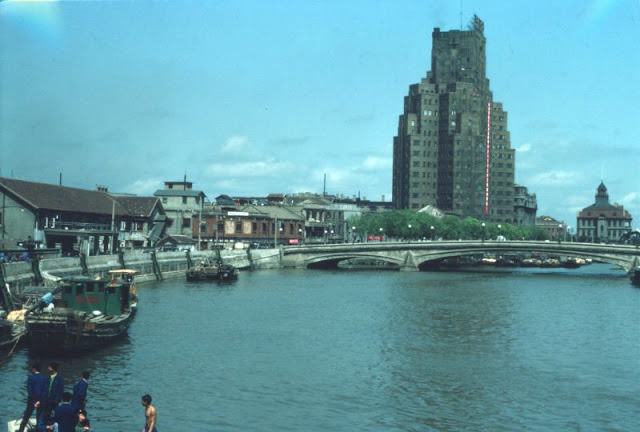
point(303, 350)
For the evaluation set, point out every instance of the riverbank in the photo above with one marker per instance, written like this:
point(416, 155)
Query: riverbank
point(150, 266)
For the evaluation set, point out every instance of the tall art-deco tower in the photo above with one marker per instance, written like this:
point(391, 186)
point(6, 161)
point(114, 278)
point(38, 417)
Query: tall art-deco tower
point(453, 148)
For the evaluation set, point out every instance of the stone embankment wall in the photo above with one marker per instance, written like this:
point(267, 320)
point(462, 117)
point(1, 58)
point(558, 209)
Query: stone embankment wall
point(150, 266)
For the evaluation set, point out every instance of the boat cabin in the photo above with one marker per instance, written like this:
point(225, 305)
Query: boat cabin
point(93, 295)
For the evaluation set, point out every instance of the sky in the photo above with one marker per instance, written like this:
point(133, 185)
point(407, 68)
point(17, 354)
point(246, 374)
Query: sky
point(252, 97)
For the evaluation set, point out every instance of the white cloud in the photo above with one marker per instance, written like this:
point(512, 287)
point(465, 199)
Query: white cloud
point(556, 178)
point(144, 187)
point(376, 163)
point(235, 145)
point(524, 148)
point(631, 199)
point(266, 168)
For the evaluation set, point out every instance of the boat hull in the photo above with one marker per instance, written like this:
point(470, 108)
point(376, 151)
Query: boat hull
point(635, 276)
point(11, 336)
point(64, 331)
point(221, 274)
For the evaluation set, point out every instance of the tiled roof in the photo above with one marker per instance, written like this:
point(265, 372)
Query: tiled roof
point(138, 206)
point(61, 198)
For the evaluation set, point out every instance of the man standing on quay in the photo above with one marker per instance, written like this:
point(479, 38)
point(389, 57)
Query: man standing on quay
point(56, 388)
point(36, 395)
point(79, 398)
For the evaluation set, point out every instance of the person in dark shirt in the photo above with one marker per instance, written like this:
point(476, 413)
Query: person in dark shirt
point(47, 424)
point(66, 416)
point(36, 395)
point(79, 398)
point(55, 388)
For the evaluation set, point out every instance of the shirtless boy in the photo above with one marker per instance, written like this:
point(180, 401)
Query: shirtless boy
point(150, 414)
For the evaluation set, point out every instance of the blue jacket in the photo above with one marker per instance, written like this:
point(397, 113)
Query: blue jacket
point(37, 387)
point(55, 389)
point(79, 394)
point(66, 417)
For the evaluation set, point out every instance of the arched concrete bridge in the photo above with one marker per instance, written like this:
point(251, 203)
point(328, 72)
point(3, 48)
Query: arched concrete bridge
point(410, 256)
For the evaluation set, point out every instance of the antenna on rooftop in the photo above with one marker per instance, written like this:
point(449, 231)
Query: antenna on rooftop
point(461, 14)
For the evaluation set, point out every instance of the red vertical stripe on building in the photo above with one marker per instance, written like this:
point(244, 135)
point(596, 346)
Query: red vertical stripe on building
point(487, 160)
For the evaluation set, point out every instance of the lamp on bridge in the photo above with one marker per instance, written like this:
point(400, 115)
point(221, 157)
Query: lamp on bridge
point(381, 234)
point(433, 232)
point(409, 239)
point(484, 231)
point(353, 234)
point(559, 232)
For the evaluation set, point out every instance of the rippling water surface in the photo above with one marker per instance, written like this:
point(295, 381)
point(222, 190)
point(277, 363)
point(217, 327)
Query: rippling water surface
point(391, 351)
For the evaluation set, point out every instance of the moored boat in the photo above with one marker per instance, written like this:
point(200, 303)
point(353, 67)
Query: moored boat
point(635, 276)
point(88, 313)
point(126, 276)
point(11, 333)
point(210, 270)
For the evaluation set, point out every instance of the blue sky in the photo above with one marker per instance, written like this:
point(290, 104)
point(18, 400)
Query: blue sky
point(255, 97)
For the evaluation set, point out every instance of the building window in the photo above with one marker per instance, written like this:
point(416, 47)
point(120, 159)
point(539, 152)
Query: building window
point(123, 225)
point(186, 222)
point(184, 200)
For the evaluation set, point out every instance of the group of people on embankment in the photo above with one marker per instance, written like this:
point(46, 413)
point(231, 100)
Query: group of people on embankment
point(58, 410)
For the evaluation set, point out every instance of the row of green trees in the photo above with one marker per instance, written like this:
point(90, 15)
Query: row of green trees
point(410, 225)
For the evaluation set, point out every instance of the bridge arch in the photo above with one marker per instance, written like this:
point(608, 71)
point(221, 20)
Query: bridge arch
point(412, 256)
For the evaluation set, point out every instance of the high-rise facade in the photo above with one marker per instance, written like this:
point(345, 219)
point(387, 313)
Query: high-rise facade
point(453, 148)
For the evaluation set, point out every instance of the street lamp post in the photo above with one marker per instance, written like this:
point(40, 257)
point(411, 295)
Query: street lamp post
point(409, 239)
point(559, 232)
point(433, 232)
point(484, 231)
point(381, 234)
point(353, 234)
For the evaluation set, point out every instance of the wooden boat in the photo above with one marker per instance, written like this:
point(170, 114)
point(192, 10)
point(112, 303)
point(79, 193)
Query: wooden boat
point(126, 276)
point(89, 313)
point(12, 327)
point(212, 270)
point(635, 276)
point(11, 333)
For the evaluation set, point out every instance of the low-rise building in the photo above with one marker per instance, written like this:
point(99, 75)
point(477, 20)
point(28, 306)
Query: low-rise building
point(76, 220)
point(556, 229)
point(182, 205)
point(602, 221)
point(525, 206)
